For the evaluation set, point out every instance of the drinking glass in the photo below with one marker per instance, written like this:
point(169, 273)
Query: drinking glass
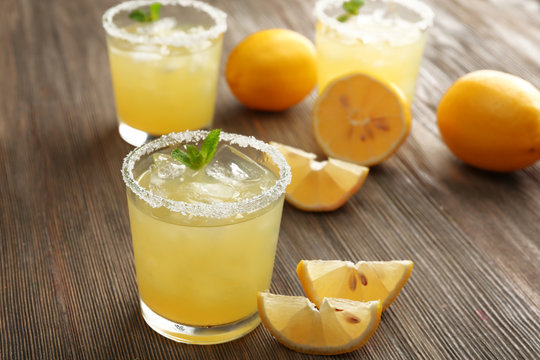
point(385, 40)
point(164, 72)
point(204, 241)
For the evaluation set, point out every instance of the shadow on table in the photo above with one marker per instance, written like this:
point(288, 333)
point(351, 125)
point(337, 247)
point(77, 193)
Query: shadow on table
point(484, 183)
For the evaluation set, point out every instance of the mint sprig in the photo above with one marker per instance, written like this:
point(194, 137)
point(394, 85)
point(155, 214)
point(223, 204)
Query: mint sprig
point(195, 159)
point(151, 15)
point(351, 7)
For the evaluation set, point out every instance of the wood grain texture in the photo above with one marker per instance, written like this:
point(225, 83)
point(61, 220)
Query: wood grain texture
point(67, 281)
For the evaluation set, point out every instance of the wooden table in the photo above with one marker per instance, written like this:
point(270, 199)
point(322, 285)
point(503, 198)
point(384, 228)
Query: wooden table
point(67, 280)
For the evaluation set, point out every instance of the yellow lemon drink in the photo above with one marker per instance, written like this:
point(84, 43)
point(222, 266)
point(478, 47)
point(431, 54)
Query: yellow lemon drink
point(165, 71)
point(204, 240)
point(385, 39)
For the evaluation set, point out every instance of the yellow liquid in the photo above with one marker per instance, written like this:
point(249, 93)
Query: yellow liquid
point(163, 89)
point(396, 63)
point(203, 273)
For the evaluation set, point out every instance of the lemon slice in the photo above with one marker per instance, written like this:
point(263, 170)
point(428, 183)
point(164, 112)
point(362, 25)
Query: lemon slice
point(363, 281)
point(338, 326)
point(360, 119)
point(320, 185)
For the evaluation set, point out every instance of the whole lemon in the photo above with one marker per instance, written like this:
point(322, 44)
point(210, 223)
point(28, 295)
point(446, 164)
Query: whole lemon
point(272, 69)
point(491, 120)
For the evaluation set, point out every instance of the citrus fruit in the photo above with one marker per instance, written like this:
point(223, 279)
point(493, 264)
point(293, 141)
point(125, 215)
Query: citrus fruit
point(337, 327)
point(320, 185)
point(363, 281)
point(272, 69)
point(360, 119)
point(491, 120)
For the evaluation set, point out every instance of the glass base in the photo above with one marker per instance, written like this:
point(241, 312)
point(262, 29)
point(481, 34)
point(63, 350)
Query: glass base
point(203, 335)
point(134, 136)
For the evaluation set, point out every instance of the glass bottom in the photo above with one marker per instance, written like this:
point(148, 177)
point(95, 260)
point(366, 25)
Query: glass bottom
point(138, 137)
point(134, 136)
point(203, 335)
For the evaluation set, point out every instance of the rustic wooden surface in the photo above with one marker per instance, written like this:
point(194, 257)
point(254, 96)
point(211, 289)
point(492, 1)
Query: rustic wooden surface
point(67, 279)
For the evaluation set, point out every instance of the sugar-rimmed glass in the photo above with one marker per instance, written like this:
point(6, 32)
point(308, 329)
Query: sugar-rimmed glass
point(199, 265)
point(386, 40)
point(165, 72)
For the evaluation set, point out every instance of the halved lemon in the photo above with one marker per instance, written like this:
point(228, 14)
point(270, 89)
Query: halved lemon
point(337, 327)
point(363, 281)
point(320, 185)
point(360, 119)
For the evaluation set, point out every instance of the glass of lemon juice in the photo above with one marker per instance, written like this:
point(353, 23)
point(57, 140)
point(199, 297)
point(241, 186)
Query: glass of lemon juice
point(164, 57)
point(204, 240)
point(385, 39)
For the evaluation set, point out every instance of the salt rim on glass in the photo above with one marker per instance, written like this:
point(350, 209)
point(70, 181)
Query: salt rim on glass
point(348, 30)
point(180, 39)
point(212, 211)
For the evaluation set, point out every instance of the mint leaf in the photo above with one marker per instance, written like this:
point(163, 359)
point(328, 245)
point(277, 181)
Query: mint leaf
point(181, 156)
point(137, 15)
point(195, 159)
point(151, 15)
point(343, 18)
point(209, 146)
point(195, 156)
point(154, 11)
point(352, 7)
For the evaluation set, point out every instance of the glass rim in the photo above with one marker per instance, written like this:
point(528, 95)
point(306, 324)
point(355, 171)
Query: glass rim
point(222, 210)
point(424, 12)
point(191, 39)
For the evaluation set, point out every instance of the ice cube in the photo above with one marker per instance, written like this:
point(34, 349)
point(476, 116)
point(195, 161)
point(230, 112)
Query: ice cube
point(174, 63)
point(199, 61)
point(159, 27)
point(146, 53)
point(205, 192)
point(168, 168)
point(151, 181)
point(230, 166)
point(164, 50)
